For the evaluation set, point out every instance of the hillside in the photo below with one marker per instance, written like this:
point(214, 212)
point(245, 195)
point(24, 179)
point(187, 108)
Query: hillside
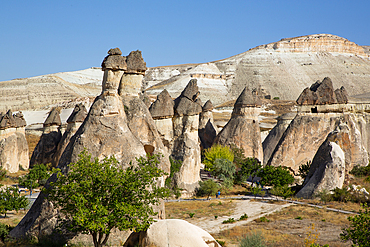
point(280, 69)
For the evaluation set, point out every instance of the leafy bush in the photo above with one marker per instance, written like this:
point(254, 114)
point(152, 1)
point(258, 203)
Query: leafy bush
point(215, 152)
point(4, 231)
point(253, 239)
point(222, 243)
point(298, 218)
point(228, 221)
point(275, 176)
point(207, 188)
point(283, 191)
point(191, 215)
point(263, 219)
point(170, 182)
point(248, 167)
point(360, 171)
point(276, 98)
point(324, 195)
point(341, 195)
point(358, 232)
point(10, 199)
point(243, 217)
point(223, 169)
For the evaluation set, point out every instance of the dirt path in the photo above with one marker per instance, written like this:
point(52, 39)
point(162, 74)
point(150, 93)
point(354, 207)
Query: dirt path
point(253, 209)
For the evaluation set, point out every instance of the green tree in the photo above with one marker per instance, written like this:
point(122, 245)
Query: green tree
point(10, 199)
point(207, 188)
point(96, 197)
point(170, 180)
point(248, 167)
point(304, 169)
point(359, 231)
point(36, 177)
point(275, 176)
point(283, 191)
point(224, 169)
point(215, 152)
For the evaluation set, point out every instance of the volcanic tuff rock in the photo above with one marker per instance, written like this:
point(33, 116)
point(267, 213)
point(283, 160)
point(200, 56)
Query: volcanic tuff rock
point(172, 232)
point(207, 127)
point(13, 143)
point(186, 146)
point(74, 122)
point(321, 93)
point(275, 134)
point(327, 170)
point(47, 146)
point(281, 69)
point(243, 129)
point(103, 133)
point(163, 106)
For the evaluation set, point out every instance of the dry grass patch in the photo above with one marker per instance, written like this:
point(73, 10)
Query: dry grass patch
point(13, 218)
point(181, 210)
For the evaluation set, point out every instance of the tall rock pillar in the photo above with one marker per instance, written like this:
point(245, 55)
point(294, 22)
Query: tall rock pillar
point(186, 140)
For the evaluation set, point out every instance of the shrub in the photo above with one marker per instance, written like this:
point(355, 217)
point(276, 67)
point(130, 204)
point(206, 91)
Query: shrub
point(358, 232)
point(341, 195)
point(248, 167)
point(207, 188)
point(298, 218)
point(283, 191)
point(324, 195)
point(228, 221)
point(360, 171)
point(191, 215)
point(263, 219)
point(224, 169)
point(243, 217)
point(304, 169)
point(222, 243)
point(170, 183)
point(4, 231)
point(276, 98)
point(275, 176)
point(216, 151)
point(253, 239)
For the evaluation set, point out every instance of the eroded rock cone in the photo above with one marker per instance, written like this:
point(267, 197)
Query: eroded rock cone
point(243, 129)
point(162, 111)
point(327, 170)
point(207, 127)
point(74, 121)
point(186, 146)
point(322, 93)
point(47, 146)
point(275, 135)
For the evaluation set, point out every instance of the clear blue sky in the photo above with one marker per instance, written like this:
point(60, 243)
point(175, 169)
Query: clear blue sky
point(42, 37)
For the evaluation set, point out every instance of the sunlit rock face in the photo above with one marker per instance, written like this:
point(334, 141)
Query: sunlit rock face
point(13, 143)
point(243, 129)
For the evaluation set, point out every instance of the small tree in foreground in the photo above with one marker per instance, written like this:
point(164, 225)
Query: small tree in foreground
point(275, 176)
point(207, 188)
point(359, 231)
point(98, 196)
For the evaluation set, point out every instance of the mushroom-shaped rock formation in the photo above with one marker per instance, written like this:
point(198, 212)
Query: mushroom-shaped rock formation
point(103, 133)
point(74, 121)
point(322, 93)
point(131, 81)
point(162, 112)
point(207, 127)
point(47, 146)
point(243, 129)
point(186, 146)
point(13, 143)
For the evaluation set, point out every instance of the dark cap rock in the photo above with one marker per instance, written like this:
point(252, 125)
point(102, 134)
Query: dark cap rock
point(19, 120)
point(135, 63)
point(7, 120)
point(78, 115)
point(53, 118)
point(248, 99)
point(208, 106)
point(322, 93)
point(114, 60)
point(163, 106)
point(188, 104)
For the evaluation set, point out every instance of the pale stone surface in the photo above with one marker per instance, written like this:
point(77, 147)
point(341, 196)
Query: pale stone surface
point(275, 134)
point(243, 128)
point(13, 150)
point(130, 84)
point(165, 130)
point(327, 170)
point(186, 148)
point(172, 232)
